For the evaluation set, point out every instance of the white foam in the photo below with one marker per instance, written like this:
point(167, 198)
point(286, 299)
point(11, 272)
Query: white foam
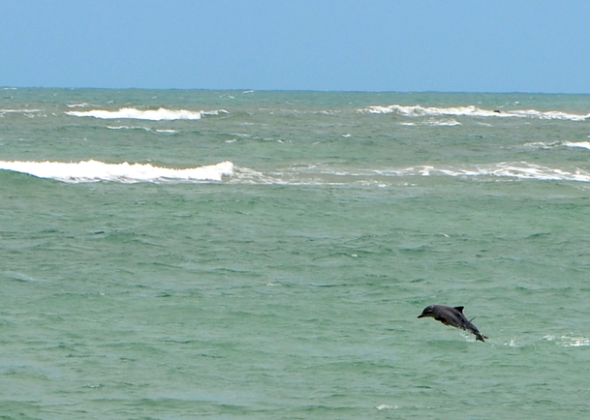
point(558, 144)
point(18, 111)
point(514, 170)
point(569, 341)
point(581, 144)
point(160, 114)
point(78, 105)
point(542, 145)
point(443, 123)
point(471, 111)
point(94, 171)
point(433, 122)
point(547, 115)
point(520, 170)
point(386, 407)
point(126, 127)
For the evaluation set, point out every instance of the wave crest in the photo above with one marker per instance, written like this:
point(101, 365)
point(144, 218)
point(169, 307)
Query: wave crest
point(470, 111)
point(95, 171)
point(160, 114)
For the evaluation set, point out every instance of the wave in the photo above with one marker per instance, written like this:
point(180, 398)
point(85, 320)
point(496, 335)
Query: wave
point(520, 170)
point(78, 105)
point(126, 127)
point(383, 177)
point(579, 144)
point(470, 111)
point(26, 112)
point(95, 171)
point(160, 114)
point(558, 144)
point(447, 122)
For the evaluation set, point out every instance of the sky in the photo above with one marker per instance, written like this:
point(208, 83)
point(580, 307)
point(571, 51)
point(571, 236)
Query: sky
point(325, 45)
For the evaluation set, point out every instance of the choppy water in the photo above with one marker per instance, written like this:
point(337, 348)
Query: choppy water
point(264, 255)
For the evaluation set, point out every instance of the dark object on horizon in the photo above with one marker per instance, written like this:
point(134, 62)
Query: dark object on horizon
point(452, 317)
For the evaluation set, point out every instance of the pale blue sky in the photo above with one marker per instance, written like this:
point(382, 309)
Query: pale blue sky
point(350, 45)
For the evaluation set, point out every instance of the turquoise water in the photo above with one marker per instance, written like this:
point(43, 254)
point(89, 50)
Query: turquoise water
point(265, 255)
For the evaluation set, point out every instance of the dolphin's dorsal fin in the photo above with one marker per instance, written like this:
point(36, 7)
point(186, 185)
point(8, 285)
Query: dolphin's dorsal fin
point(459, 308)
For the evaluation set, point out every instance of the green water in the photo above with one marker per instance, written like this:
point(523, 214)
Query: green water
point(291, 288)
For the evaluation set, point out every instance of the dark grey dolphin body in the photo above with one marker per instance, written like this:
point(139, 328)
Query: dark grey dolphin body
point(452, 317)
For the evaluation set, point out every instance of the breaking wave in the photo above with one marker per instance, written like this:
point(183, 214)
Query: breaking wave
point(161, 114)
point(578, 144)
point(471, 111)
point(94, 171)
point(558, 144)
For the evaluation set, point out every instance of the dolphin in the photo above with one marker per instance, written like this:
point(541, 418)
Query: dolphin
point(452, 317)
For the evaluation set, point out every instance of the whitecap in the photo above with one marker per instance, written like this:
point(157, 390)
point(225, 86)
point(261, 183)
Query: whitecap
point(95, 171)
point(386, 407)
point(542, 145)
point(78, 105)
point(470, 111)
point(581, 144)
point(160, 114)
point(520, 170)
point(126, 127)
point(569, 340)
point(18, 111)
point(443, 123)
point(432, 122)
point(334, 176)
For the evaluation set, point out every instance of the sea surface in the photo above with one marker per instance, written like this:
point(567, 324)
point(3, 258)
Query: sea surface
point(177, 254)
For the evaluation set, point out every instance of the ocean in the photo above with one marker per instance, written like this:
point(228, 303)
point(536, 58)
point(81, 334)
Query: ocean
point(193, 254)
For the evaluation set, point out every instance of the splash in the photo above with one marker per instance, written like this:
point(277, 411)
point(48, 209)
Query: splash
point(569, 341)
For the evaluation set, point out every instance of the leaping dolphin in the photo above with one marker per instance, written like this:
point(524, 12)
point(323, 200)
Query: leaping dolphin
point(452, 317)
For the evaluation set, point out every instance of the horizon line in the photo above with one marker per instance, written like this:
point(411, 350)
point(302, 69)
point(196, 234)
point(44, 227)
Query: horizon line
point(251, 90)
